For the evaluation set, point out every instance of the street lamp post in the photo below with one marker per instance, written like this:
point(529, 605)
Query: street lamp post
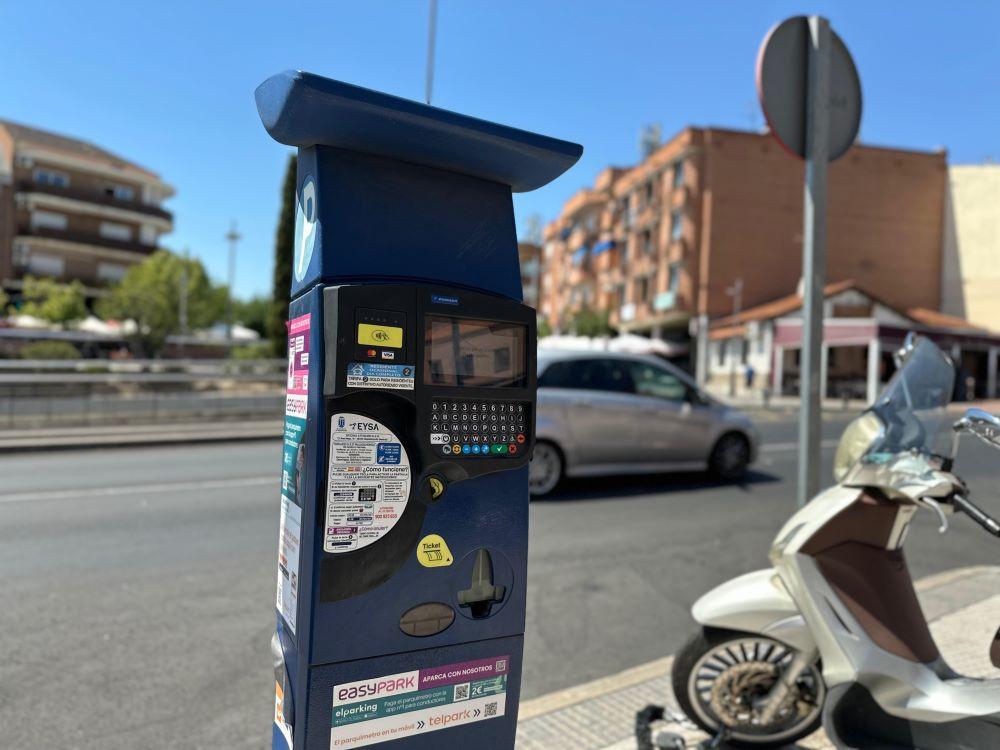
point(233, 237)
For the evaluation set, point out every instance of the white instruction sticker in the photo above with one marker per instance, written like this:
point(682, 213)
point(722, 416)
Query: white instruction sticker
point(369, 482)
point(289, 533)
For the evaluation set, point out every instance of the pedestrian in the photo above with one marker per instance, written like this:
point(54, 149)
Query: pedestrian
point(749, 373)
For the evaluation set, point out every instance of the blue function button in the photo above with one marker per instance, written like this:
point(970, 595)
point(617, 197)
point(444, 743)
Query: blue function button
point(466, 449)
point(475, 449)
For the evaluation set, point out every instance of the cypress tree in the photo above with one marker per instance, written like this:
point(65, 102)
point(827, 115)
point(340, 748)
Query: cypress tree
point(284, 251)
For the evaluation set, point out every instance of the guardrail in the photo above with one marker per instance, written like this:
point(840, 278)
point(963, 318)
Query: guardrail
point(46, 393)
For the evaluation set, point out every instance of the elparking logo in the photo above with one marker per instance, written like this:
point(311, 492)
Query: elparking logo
point(341, 423)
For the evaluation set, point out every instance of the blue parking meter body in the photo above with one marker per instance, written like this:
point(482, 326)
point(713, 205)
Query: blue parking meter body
point(409, 422)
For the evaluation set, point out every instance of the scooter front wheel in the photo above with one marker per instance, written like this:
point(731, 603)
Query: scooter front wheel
point(721, 677)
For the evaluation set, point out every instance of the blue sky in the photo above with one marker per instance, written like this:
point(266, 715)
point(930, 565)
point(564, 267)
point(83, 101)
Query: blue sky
point(170, 84)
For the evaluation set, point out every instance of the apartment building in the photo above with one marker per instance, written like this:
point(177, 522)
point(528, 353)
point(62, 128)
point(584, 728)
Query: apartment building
point(530, 256)
point(661, 245)
point(71, 210)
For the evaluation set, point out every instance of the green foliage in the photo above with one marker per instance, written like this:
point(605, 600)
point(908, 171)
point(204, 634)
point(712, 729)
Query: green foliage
point(49, 350)
point(4, 301)
point(49, 300)
point(544, 329)
point(253, 313)
point(591, 323)
point(150, 295)
point(284, 257)
point(256, 350)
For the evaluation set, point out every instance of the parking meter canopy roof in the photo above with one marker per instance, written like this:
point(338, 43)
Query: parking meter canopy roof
point(304, 110)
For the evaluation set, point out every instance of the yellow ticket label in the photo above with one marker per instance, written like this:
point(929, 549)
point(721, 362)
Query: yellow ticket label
point(433, 552)
point(389, 336)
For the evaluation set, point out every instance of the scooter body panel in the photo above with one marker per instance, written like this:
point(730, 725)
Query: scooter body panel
point(756, 602)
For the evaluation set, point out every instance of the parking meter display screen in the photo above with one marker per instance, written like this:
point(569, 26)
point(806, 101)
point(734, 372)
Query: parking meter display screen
point(467, 352)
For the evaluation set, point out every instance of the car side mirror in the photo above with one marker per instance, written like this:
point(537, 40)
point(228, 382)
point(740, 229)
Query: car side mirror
point(696, 397)
point(982, 424)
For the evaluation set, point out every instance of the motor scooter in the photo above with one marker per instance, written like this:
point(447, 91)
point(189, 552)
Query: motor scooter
point(833, 634)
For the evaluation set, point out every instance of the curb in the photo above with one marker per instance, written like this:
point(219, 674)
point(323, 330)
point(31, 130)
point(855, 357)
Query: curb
point(121, 438)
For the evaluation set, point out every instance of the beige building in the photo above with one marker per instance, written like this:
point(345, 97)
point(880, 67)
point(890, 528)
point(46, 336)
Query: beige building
point(71, 210)
point(971, 280)
point(657, 246)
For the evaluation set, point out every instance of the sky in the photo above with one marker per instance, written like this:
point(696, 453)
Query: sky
point(170, 84)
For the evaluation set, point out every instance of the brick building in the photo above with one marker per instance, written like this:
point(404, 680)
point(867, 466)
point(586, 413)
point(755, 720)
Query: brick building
point(658, 245)
point(73, 211)
point(530, 256)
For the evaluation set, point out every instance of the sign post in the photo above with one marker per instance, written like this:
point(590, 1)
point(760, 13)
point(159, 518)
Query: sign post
point(811, 97)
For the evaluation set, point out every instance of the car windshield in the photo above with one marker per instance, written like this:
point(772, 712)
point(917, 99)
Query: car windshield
point(913, 407)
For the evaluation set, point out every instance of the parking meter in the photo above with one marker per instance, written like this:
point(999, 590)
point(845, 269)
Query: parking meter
point(409, 422)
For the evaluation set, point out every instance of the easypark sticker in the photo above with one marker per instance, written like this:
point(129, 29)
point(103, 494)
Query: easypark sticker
point(368, 712)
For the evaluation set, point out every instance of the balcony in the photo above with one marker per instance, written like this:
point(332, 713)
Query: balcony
point(89, 196)
point(84, 238)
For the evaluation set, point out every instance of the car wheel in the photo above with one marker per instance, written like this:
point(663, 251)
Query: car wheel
point(546, 469)
point(730, 456)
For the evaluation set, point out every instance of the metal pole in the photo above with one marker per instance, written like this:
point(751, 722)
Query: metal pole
point(814, 256)
point(431, 41)
point(233, 237)
point(736, 292)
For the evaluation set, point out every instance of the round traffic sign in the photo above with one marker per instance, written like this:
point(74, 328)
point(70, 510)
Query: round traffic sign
point(782, 83)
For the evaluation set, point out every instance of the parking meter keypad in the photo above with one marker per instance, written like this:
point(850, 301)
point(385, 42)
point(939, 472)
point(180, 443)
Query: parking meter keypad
point(479, 427)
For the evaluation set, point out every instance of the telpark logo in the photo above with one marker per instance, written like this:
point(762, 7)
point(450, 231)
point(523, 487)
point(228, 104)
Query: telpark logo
point(380, 687)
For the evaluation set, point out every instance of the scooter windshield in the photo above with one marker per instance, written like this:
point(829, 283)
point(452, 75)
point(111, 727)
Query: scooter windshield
point(913, 407)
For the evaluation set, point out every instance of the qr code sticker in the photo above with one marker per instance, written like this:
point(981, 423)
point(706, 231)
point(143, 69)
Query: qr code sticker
point(501, 666)
point(462, 692)
point(491, 709)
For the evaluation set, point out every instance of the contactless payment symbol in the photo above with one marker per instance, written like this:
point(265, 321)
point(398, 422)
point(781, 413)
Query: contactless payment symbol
point(306, 222)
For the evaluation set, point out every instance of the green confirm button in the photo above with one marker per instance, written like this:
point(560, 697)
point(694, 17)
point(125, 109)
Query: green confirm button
point(498, 448)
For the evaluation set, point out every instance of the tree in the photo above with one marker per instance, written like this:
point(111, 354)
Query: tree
point(4, 301)
point(49, 350)
point(284, 257)
point(544, 329)
point(253, 313)
point(591, 323)
point(150, 292)
point(49, 300)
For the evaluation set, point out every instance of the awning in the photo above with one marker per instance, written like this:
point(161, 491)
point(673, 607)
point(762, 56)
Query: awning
point(600, 247)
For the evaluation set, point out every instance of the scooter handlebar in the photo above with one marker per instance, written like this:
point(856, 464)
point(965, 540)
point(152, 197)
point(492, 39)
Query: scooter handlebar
point(977, 514)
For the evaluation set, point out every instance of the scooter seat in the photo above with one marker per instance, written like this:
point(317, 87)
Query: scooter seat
point(995, 650)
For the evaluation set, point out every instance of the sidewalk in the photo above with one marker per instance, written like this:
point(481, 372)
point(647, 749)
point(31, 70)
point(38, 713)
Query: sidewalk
point(963, 607)
point(59, 438)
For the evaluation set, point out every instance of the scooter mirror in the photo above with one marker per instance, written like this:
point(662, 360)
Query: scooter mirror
point(982, 424)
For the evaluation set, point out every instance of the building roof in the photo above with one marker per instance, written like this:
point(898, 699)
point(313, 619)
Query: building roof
point(734, 325)
point(935, 319)
point(28, 135)
point(782, 306)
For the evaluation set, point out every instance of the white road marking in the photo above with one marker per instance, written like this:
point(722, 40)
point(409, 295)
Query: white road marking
point(779, 447)
point(136, 489)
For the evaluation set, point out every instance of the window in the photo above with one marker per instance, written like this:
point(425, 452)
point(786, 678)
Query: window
point(588, 374)
point(642, 289)
point(148, 235)
point(649, 193)
point(110, 271)
point(676, 224)
point(678, 180)
point(120, 192)
point(720, 347)
point(49, 220)
point(112, 231)
point(46, 265)
point(673, 277)
point(657, 382)
point(51, 177)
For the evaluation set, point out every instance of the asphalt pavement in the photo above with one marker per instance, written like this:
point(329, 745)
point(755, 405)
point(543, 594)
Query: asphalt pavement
point(138, 583)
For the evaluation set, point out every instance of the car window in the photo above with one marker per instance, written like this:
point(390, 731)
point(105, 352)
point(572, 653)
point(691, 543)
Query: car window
point(654, 381)
point(589, 374)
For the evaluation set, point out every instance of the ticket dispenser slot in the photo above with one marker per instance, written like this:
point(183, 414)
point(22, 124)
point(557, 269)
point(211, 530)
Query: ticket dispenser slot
point(409, 423)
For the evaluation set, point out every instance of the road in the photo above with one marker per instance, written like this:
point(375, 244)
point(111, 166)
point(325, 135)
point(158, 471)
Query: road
point(138, 584)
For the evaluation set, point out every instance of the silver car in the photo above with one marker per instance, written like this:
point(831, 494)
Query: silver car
point(605, 413)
